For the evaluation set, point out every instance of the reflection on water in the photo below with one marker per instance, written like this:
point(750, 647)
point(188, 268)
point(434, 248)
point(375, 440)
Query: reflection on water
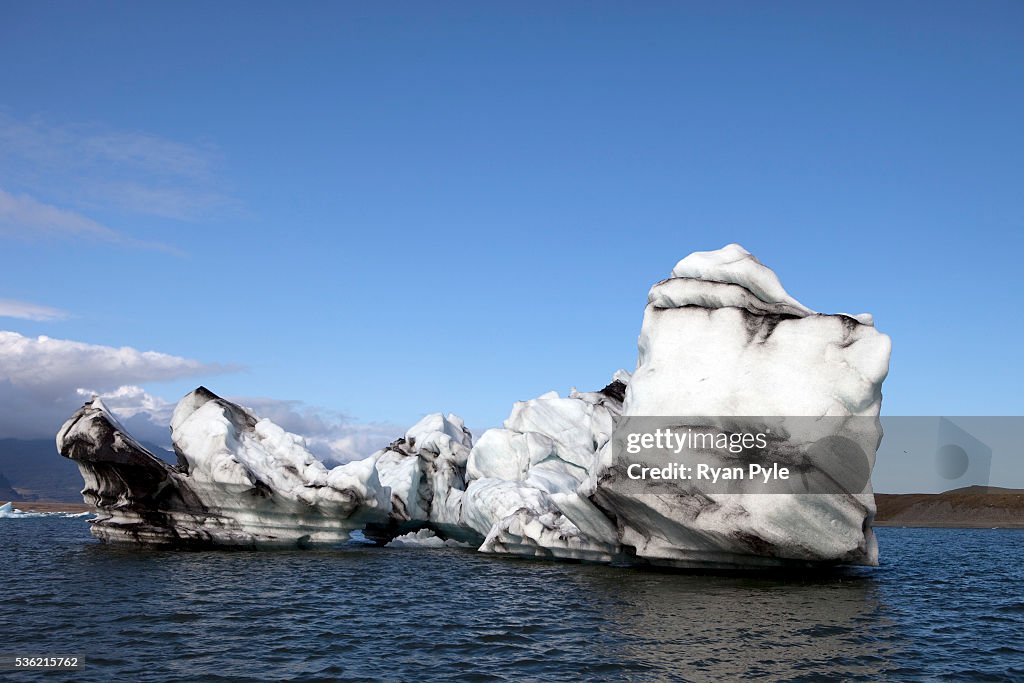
point(724, 627)
point(944, 604)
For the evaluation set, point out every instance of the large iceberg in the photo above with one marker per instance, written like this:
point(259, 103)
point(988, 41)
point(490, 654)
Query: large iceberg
point(720, 339)
point(240, 481)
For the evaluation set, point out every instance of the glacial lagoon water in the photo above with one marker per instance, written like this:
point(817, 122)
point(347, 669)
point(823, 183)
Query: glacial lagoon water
point(946, 604)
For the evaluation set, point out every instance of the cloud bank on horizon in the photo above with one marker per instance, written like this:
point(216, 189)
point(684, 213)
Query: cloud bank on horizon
point(44, 380)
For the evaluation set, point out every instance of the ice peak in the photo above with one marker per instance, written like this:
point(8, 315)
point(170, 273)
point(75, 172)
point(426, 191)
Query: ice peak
point(734, 265)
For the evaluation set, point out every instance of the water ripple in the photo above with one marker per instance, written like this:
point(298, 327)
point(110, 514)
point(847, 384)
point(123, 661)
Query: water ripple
point(945, 605)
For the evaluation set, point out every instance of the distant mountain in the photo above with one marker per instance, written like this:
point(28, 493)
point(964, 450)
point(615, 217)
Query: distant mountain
point(6, 492)
point(968, 507)
point(34, 470)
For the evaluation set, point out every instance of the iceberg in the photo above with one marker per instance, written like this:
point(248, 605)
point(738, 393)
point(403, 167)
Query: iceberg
point(523, 491)
point(239, 481)
point(424, 538)
point(425, 470)
point(721, 337)
point(8, 511)
point(721, 340)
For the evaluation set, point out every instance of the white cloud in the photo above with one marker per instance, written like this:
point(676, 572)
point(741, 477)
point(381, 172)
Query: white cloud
point(129, 400)
point(54, 176)
point(356, 441)
point(330, 435)
point(28, 218)
point(40, 378)
point(145, 416)
point(143, 151)
point(9, 308)
point(86, 152)
point(21, 214)
point(165, 201)
point(43, 381)
point(46, 362)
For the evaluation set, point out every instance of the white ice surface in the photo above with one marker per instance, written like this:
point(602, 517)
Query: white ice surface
point(424, 538)
point(8, 511)
point(524, 480)
point(225, 461)
point(720, 337)
point(247, 481)
point(723, 338)
point(425, 470)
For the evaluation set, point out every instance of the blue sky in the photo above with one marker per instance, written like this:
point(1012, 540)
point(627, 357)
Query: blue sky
point(392, 210)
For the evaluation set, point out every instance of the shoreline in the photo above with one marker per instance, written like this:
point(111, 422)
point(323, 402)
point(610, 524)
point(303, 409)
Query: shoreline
point(892, 524)
point(973, 508)
point(50, 506)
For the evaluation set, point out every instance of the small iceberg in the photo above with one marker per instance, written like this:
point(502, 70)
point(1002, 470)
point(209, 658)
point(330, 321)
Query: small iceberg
point(424, 538)
point(8, 511)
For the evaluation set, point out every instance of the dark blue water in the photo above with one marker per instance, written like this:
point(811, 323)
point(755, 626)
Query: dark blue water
point(946, 605)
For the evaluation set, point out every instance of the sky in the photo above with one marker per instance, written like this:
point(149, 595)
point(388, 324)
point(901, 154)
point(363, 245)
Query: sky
point(354, 215)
